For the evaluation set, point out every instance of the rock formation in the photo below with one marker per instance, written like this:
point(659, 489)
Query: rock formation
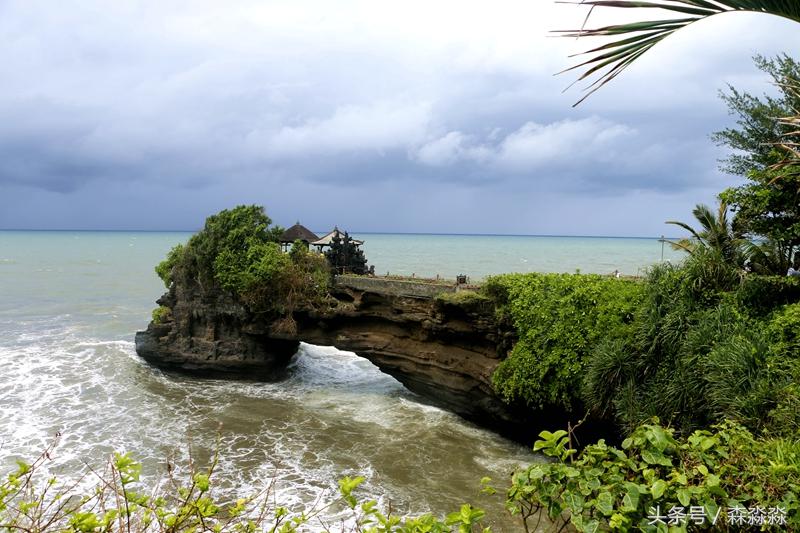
point(443, 350)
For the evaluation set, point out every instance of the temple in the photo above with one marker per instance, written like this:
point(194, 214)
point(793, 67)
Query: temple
point(329, 238)
point(298, 232)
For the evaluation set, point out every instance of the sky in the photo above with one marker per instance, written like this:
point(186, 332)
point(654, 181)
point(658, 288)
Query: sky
point(376, 116)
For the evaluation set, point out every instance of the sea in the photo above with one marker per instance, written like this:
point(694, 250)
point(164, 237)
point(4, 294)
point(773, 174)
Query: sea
point(71, 302)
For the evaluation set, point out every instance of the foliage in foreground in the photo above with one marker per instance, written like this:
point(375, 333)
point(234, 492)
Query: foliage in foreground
point(118, 501)
point(633, 39)
point(720, 480)
point(710, 480)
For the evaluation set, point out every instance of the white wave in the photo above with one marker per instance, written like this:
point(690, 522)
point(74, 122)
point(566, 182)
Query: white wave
point(335, 414)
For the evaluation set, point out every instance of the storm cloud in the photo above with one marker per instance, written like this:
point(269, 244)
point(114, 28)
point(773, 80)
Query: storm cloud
point(374, 116)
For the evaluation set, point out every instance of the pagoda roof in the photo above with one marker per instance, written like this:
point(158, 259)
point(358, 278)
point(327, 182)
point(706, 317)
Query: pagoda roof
point(327, 239)
point(298, 232)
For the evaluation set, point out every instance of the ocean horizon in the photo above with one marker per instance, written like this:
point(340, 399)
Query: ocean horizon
point(407, 254)
point(323, 232)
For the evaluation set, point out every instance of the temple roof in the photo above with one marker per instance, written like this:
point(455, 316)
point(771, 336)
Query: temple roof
point(298, 232)
point(327, 239)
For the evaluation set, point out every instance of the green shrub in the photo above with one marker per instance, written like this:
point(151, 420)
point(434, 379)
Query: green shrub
point(118, 501)
point(784, 331)
point(740, 382)
point(696, 357)
point(762, 294)
point(166, 267)
point(471, 301)
point(231, 234)
point(635, 487)
point(161, 314)
point(559, 318)
point(608, 371)
point(709, 271)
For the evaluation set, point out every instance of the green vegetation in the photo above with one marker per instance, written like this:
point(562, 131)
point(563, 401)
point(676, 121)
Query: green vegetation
point(227, 237)
point(237, 251)
point(704, 346)
point(165, 268)
point(767, 206)
point(467, 300)
point(697, 356)
point(33, 501)
point(693, 344)
point(161, 314)
point(717, 476)
point(559, 318)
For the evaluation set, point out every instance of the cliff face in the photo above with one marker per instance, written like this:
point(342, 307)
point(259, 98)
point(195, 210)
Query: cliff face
point(445, 352)
point(210, 332)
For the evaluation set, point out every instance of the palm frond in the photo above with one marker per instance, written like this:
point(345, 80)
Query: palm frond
point(685, 226)
point(685, 245)
point(791, 140)
point(706, 217)
point(608, 61)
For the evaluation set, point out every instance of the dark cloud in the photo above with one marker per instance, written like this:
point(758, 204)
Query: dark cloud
point(164, 114)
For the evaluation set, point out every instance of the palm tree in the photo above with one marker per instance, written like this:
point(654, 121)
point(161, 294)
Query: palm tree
point(609, 60)
point(716, 234)
point(768, 257)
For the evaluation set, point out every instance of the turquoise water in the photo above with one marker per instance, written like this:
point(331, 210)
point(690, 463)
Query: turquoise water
point(70, 303)
point(480, 255)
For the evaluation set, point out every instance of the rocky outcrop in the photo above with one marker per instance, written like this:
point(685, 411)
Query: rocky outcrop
point(446, 352)
point(208, 333)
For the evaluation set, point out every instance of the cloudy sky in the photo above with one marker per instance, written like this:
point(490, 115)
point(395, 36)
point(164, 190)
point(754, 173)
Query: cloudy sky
point(405, 116)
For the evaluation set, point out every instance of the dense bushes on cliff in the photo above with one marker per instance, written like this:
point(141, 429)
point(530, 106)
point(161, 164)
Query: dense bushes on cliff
point(237, 250)
point(687, 345)
point(560, 319)
point(698, 356)
point(714, 352)
point(226, 237)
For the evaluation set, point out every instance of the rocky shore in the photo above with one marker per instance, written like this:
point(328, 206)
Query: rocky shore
point(443, 349)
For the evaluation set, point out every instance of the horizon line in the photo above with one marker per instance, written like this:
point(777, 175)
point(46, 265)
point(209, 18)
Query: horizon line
point(356, 233)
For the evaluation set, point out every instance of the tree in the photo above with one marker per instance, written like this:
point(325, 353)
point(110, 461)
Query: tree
point(768, 205)
point(345, 256)
point(759, 128)
point(717, 234)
